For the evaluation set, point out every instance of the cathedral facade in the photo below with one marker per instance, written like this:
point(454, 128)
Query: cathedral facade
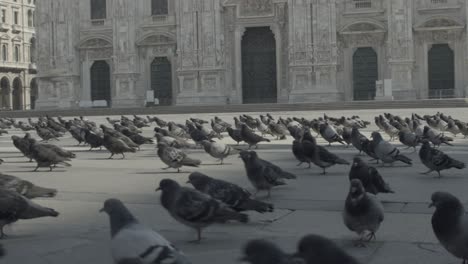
point(134, 53)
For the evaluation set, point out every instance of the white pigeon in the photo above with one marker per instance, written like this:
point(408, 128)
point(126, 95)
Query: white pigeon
point(132, 242)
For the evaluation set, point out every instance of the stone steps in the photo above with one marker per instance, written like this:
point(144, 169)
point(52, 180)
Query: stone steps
point(436, 103)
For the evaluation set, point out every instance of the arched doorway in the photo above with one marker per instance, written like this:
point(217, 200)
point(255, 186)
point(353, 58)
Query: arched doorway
point(161, 80)
point(34, 93)
point(17, 94)
point(100, 82)
point(365, 73)
point(441, 71)
point(5, 93)
point(259, 83)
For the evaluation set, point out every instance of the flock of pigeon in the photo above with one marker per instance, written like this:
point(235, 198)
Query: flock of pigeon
point(217, 201)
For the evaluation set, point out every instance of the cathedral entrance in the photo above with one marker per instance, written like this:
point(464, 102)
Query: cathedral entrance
point(365, 73)
point(161, 80)
point(34, 93)
point(259, 83)
point(441, 71)
point(17, 94)
point(5, 93)
point(100, 82)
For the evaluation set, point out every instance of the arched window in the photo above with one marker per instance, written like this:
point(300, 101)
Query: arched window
point(159, 7)
point(98, 9)
point(30, 18)
point(17, 53)
point(32, 51)
point(4, 52)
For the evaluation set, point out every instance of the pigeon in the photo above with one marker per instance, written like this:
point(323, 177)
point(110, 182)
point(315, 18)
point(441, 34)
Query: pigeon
point(24, 145)
point(262, 174)
point(260, 251)
point(218, 150)
point(236, 197)
point(317, 249)
point(363, 212)
point(93, 140)
point(357, 139)
point(329, 134)
point(235, 134)
point(437, 160)
point(25, 188)
point(347, 135)
point(132, 242)
point(298, 151)
point(450, 224)
point(45, 134)
point(319, 155)
point(369, 176)
point(17, 207)
point(116, 146)
point(409, 139)
point(60, 151)
point(46, 157)
point(251, 138)
point(175, 158)
point(386, 152)
point(435, 137)
point(195, 209)
point(278, 129)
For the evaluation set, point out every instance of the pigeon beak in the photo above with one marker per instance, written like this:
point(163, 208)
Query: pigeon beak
point(243, 259)
point(102, 210)
point(158, 189)
point(431, 205)
point(188, 181)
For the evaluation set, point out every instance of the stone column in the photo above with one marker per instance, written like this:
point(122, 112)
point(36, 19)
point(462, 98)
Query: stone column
point(400, 48)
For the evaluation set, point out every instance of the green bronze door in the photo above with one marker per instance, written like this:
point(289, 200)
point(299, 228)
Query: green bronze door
point(161, 80)
point(365, 73)
point(259, 83)
point(441, 71)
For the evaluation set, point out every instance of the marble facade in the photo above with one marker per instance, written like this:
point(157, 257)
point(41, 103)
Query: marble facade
point(316, 41)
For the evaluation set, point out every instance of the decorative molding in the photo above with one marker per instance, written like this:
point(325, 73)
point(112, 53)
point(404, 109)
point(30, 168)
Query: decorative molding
point(95, 43)
point(156, 39)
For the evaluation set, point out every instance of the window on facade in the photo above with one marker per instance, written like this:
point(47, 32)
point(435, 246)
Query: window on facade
point(17, 53)
point(16, 17)
point(4, 52)
point(362, 3)
point(98, 9)
point(438, 1)
point(3, 15)
point(159, 7)
point(30, 18)
point(32, 51)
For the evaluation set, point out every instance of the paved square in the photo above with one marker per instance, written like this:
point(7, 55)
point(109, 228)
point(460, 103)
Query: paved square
point(310, 204)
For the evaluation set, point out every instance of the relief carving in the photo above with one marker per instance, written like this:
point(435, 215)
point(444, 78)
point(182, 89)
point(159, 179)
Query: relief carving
point(256, 7)
point(95, 43)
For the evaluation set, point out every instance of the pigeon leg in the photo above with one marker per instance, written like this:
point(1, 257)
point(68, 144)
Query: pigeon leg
point(427, 172)
point(222, 162)
point(51, 167)
point(269, 193)
point(299, 164)
point(440, 176)
point(310, 165)
point(90, 148)
point(198, 240)
point(112, 155)
point(329, 144)
point(371, 236)
point(2, 233)
point(324, 171)
point(37, 167)
point(178, 170)
point(123, 156)
point(256, 146)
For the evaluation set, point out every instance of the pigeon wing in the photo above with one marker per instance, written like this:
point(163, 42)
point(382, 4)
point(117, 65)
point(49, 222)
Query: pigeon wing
point(194, 206)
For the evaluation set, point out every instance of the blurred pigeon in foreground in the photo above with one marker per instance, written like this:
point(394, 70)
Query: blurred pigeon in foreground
point(369, 176)
point(264, 252)
point(262, 174)
point(16, 207)
point(234, 196)
point(195, 209)
point(363, 212)
point(437, 160)
point(25, 188)
point(132, 242)
point(386, 152)
point(175, 158)
point(315, 249)
point(450, 224)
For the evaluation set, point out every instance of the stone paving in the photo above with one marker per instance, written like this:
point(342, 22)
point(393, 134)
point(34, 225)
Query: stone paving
point(310, 204)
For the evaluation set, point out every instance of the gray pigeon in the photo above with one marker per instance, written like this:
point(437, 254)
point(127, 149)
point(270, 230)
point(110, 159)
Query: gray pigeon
point(260, 251)
point(435, 137)
point(357, 139)
point(235, 134)
point(218, 149)
point(16, 207)
point(298, 151)
point(236, 197)
point(371, 179)
point(132, 242)
point(25, 188)
point(250, 137)
point(46, 157)
point(437, 160)
point(315, 249)
point(450, 224)
point(195, 209)
point(175, 158)
point(329, 134)
point(262, 174)
point(386, 152)
point(409, 139)
point(363, 212)
point(116, 146)
point(319, 155)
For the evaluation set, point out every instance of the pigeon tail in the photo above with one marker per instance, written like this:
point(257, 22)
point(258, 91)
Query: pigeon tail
point(457, 164)
point(36, 211)
point(66, 164)
point(255, 205)
point(404, 159)
point(265, 140)
point(341, 161)
point(287, 175)
point(191, 162)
